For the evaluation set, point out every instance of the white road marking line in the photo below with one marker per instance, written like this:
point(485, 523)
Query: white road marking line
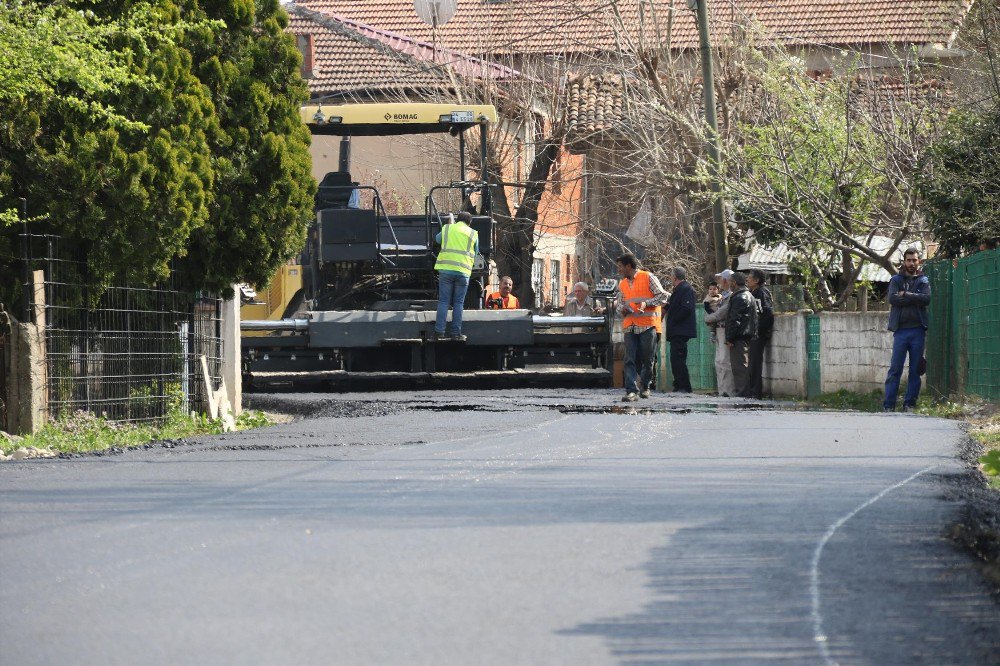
point(817, 618)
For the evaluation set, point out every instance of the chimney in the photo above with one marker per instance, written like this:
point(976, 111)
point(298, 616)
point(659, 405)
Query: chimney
point(305, 44)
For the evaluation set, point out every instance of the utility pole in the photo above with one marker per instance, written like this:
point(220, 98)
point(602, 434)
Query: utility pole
point(708, 86)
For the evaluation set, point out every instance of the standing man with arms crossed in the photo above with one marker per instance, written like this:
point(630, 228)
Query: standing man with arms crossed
point(459, 247)
point(642, 295)
point(680, 328)
point(909, 296)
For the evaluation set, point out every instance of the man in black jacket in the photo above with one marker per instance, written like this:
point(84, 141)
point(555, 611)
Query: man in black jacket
point(755, 283)
point(680, 328)
point(741, 328)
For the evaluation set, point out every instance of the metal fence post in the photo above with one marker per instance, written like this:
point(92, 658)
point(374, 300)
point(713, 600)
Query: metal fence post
point(813, 378)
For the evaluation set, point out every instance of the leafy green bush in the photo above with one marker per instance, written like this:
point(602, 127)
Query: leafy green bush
point(81, 431)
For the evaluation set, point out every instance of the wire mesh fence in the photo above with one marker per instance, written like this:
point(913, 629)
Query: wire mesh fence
point(125, 352)
point(963, 341)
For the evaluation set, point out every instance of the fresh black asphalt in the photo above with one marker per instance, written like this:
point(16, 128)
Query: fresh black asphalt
point(510, 527)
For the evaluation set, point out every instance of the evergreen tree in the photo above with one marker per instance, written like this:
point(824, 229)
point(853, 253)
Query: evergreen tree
point(264, 186)
point(103, 131)
point(146, 134)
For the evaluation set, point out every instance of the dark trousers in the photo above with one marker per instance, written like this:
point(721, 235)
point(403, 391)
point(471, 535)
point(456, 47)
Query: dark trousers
point(740, 361)
point(755, 376)
point(678, 364)
point(639, 351)
point(905, 342)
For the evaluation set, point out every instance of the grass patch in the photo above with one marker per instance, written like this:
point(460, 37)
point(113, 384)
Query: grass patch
point(81, 431)
point(849, 400)
point(987, 433)
point(872, 402)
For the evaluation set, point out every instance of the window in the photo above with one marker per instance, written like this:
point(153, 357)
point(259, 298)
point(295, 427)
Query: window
point(536, 279)
point(556, 276)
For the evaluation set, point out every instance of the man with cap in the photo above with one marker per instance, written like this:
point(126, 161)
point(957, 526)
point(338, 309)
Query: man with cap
point(459, 247)
point(723, 369)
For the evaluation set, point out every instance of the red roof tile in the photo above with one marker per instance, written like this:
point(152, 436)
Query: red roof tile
point(553, 26)
point(348, 62)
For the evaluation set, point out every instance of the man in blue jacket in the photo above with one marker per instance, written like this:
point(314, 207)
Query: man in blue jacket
point(680, 329)
point(909, 296)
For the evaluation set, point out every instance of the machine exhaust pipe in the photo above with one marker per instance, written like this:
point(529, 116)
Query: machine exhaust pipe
point(566, 322)
point(298, 325)
point(302, 325)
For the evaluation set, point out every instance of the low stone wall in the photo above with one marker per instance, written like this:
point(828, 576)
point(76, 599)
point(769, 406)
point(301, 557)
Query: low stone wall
point(785, 359)
point(854, 353)
point(855, 348)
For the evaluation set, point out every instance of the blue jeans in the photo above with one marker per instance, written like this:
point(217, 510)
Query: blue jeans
point(451, 293)
point(639, 351)
point(905, 341)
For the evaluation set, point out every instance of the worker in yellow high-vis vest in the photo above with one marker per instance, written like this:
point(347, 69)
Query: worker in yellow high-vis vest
point(641, 298)
point(459, 247)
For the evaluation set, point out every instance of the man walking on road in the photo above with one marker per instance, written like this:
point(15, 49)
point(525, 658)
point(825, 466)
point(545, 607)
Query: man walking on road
point(909, 296)
point(741, 329)
point(680, 328)
point(459, 247)
point(755, 283)
point(642, 294)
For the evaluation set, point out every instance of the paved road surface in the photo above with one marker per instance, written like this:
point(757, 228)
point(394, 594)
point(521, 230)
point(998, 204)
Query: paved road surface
point(537, 529)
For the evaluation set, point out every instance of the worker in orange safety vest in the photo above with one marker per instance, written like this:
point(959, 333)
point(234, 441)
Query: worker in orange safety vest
point(641, 298)
point(503, 299)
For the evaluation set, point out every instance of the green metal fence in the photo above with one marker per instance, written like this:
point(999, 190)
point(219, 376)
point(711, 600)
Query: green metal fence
point(963, 343)
point(701, 359)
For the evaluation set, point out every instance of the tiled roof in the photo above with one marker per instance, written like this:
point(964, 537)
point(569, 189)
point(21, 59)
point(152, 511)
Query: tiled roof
point(593, 104)
point(435, 57)
point(553, 26)
point(347, 61)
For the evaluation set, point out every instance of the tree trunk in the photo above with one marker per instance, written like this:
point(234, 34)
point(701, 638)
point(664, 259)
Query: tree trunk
point(516, 233)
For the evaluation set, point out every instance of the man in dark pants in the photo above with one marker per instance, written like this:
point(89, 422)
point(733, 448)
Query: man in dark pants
point(755, 283)
point(680, 328)
point(741, 328)
point(909, 296)
point(641, 297)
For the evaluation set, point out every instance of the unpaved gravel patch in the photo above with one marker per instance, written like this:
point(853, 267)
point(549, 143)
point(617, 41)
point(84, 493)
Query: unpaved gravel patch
point(978, 529)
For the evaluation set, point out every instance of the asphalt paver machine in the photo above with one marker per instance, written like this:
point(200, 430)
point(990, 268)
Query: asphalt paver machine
point(369, 295)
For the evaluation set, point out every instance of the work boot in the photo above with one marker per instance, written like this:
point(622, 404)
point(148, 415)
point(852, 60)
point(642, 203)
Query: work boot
point(439, 335)
point(457, 338)
point(644, 394)
point(630, 397)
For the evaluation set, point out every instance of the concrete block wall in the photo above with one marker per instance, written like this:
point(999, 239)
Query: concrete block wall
point(785, 359)
point(855, 348)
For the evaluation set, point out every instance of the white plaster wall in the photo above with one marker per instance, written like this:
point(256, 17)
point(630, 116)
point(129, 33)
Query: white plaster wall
point(855, 348)
point(785, 359)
